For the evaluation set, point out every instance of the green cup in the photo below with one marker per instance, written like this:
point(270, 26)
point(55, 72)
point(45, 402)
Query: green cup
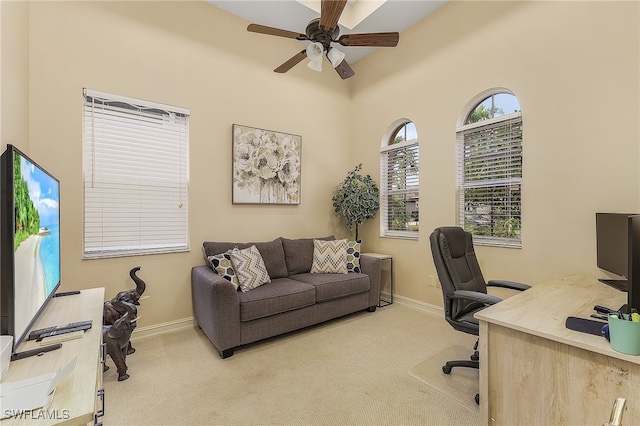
point(624, 335)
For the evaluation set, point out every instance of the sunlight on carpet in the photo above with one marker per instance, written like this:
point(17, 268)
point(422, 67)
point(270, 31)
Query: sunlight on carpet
point(461, 385)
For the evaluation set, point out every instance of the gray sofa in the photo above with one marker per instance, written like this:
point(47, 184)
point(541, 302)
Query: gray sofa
point(295, 298)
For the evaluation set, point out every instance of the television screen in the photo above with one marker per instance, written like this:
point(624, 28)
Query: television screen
point(29, 241)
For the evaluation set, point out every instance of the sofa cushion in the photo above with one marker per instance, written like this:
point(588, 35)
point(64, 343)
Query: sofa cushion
point(221, 263)
point(249, 268)
point(272, 254)
point(278, 296)
point(329, 257)
point(298, 253)
point(334, 286)
point(354, 248)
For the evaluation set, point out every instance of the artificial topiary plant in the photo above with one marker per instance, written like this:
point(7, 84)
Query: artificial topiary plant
point(357, 198)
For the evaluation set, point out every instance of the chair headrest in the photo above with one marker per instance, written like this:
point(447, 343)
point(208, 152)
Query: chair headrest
point(456, 240)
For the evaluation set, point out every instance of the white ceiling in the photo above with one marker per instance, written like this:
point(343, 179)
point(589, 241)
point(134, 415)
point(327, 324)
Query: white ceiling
point(293, 15)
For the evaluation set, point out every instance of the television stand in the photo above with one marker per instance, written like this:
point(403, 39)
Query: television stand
point(32, 352)
point(80, 394)
point(622, 285)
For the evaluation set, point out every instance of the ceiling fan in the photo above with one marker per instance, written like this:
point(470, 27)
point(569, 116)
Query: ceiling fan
point(323, 31)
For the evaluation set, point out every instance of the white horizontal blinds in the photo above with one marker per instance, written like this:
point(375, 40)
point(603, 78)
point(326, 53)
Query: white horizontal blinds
point(490, 179)
point(135, 176)
point(400, 206)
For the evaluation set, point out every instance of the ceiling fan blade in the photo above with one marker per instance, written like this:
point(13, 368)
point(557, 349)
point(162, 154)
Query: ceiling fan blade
point(330, 11)
point(370, 39)
point(295, 59)
point(262, 29)
point(344, 70)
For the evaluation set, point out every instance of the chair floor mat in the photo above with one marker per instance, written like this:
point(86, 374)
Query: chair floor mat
point(462, 384)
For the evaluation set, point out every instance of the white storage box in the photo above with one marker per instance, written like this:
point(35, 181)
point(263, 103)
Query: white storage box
point(6, 344)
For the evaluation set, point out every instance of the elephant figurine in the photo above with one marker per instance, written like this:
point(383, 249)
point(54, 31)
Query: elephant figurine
point(116, 338)
point(112, 311)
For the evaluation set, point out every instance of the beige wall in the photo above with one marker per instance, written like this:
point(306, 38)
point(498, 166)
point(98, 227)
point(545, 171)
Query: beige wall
point(573, 65)
point(14, 74)
point(195, 56)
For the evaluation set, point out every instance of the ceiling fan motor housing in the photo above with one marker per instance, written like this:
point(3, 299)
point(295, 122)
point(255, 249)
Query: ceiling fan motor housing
point(317, 34)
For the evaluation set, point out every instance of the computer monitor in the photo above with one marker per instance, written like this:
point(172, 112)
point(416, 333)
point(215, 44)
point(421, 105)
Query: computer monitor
point(618, 252)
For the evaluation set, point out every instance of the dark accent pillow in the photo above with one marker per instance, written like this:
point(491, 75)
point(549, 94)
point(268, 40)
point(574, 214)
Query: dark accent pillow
point(221, 263)
point(298, 253)
point(354, 248)
point(272, 254)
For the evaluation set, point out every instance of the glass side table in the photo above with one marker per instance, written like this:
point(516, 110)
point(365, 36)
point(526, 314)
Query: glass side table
point(384, 258)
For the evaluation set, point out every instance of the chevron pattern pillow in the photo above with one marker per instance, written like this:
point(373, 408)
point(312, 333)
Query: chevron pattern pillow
point(329, 257)
point(249, 268)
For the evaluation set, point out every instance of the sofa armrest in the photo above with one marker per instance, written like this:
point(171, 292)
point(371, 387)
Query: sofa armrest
point(216, 308)
point(371, 266)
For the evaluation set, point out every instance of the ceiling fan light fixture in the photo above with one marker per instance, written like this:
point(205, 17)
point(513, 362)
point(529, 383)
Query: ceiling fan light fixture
point(314, 52)
point(335, 56)
point(316, 66)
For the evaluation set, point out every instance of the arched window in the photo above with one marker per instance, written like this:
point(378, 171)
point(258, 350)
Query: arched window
point(489, 140)
point(399, 167)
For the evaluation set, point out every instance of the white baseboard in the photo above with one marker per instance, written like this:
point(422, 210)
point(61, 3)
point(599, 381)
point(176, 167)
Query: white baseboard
point(417, 304)
point(165, 327)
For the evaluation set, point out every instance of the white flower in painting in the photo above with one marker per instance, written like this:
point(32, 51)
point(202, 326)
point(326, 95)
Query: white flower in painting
point(243, 157)
point(289, 172)
point(265, 163)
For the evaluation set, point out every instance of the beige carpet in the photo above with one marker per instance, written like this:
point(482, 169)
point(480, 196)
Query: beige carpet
point(461, 385)
point(352, 370)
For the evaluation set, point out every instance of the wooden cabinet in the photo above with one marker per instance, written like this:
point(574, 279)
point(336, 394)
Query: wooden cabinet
point(76, 399)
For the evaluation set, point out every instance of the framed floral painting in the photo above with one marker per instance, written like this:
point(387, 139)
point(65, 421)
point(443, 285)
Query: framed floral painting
point(266, 166)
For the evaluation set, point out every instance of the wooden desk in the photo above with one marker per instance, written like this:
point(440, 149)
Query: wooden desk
point(534, 371)
point(76, 396)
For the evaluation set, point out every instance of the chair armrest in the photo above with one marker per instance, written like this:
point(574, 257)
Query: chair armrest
point(475, 296)
point(508, 284)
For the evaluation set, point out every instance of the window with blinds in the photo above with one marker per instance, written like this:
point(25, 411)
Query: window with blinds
point(489, 178)
point(400, 201)
point(136, 171)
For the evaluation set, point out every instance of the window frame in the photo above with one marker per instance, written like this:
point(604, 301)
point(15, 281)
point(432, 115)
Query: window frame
point(135, 177)
point(511, 180)
point(385, 191)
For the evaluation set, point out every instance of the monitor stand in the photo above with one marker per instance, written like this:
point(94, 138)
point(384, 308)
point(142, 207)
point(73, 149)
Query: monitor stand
point(622, 285)
point(624, 309)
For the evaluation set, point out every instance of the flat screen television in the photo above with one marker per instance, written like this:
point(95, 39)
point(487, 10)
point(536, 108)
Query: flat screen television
point(29, 242)
point(618, 252)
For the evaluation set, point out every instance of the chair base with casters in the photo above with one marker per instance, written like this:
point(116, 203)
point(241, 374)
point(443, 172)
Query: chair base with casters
point(473, 362)
point(464, 289)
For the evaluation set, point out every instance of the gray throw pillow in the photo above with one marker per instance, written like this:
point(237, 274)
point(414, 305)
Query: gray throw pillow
point(249, 268)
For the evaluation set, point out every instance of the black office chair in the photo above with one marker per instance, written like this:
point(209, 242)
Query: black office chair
point(464, 289)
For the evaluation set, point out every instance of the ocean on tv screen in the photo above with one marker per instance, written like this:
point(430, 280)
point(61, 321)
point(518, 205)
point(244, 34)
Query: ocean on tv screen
point(37, 238)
